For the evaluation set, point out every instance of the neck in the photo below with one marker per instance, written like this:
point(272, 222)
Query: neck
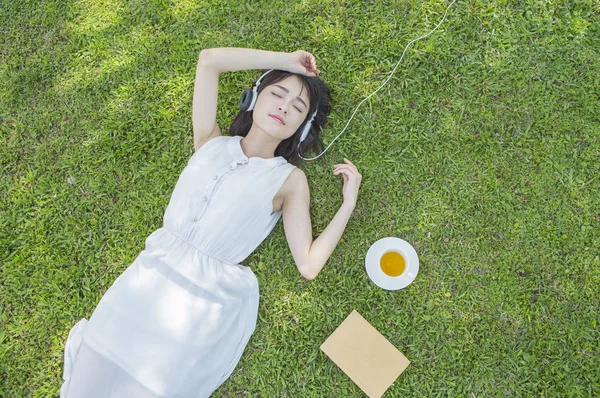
point(259, 144)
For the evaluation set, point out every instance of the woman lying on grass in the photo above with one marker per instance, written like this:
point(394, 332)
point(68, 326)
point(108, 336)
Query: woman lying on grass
point(176, 322)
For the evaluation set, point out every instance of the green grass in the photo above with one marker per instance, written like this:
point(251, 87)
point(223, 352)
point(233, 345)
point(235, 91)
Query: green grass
point(483, 152)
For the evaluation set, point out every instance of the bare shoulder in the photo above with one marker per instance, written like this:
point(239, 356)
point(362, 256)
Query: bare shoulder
point(295, 185)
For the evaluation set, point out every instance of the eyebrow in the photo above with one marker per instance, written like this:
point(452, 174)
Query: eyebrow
point(287, 91)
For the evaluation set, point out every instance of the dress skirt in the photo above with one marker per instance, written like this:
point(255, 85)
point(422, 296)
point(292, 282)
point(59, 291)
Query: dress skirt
point(174, 324)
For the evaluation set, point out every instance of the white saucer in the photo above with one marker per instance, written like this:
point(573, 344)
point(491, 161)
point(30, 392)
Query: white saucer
point(377, 275)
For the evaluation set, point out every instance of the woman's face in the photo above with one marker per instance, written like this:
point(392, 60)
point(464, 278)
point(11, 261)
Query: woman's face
point(286, 99)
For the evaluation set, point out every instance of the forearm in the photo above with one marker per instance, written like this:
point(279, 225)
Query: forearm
point(228, 59)
point(323, 246)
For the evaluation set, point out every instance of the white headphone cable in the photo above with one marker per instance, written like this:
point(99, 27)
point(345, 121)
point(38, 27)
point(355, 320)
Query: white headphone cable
point(406, 48)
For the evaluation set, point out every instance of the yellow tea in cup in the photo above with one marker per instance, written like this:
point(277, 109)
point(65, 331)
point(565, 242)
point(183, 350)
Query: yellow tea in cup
point(392, 263)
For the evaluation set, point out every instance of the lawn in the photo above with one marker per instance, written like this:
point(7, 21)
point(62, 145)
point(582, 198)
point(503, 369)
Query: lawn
point(482, 151)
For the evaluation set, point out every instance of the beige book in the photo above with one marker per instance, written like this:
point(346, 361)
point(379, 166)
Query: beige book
point(367, 357)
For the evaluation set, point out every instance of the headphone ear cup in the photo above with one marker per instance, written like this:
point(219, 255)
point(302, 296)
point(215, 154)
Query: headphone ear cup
point(247, 101)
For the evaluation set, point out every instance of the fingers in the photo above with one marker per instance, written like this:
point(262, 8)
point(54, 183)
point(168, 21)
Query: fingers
point(312, 63)
point(346, 170)
point(304, 63)
point(314, 66)
point(343, 167)
point(344, 174)
point(348, 164)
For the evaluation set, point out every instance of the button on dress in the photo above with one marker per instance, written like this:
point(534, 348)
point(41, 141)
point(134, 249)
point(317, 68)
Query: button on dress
point(176, 322)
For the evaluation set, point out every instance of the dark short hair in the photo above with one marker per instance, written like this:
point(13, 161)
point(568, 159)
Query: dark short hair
point(318, 94)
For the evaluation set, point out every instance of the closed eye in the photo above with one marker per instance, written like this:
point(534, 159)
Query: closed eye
point(298, 109)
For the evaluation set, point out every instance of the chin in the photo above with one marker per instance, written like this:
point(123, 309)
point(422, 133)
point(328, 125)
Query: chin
point(279, 133)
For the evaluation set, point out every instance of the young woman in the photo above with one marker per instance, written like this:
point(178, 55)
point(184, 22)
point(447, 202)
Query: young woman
point(176, 322)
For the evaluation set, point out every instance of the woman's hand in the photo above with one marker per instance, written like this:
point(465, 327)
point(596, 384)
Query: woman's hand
point(352, 179)
point(303, 63)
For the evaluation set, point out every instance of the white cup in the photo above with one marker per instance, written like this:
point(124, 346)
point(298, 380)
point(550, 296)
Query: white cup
point(373, 263)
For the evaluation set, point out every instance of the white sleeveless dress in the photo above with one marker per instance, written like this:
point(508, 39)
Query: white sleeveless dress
point(176, 322)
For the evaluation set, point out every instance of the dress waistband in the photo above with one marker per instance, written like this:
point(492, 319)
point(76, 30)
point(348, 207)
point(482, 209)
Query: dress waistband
point(175, 234)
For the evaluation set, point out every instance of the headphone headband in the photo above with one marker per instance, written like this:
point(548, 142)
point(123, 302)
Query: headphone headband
point(249, 96)
point(260, 80)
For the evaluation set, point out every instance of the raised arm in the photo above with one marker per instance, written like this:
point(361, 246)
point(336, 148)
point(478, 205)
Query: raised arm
point(204, 103)
point(211, 63)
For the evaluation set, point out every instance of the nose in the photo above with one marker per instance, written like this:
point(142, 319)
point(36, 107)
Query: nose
point(281, 108)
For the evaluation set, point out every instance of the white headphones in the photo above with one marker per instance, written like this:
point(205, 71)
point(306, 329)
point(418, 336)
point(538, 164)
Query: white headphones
point(248, 101)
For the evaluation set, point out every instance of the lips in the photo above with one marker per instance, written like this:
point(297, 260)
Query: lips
point(278, 118)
